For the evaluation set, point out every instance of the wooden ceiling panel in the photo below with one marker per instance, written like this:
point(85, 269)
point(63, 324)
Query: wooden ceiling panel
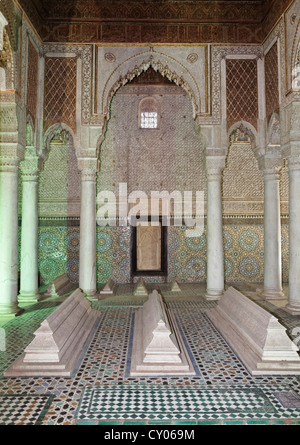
point(169, 21)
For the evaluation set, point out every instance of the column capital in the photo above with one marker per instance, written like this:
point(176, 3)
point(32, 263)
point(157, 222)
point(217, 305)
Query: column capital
point(88, 164)
point(294, 163)
point(214, 165)
point(31, 165)
point(9, 165)
point(270, 165)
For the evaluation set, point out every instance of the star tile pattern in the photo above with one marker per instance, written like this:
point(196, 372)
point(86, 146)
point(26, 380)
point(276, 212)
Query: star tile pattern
point(102, 392)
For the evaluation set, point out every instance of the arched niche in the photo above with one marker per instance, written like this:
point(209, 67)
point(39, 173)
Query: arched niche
point(169, 157)
point(242, 179)
point(133, 66)
point(59, 182)
point(243, 131)
point(55, 130)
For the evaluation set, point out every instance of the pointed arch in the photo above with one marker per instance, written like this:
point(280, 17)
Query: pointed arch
point(243, 131)
point(52, 131)
point(166, 65)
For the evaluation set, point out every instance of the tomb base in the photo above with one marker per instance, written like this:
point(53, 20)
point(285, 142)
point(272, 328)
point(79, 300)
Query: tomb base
point(59, 342)
point(158, 348)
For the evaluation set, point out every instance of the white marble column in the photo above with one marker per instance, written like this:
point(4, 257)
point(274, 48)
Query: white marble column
point(272, 230)
point(29, 234)
point(215, 250)
point(8, 238)
point(293, 305)
point(87, 258)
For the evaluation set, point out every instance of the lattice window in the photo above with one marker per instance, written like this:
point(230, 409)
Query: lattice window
point(148, 113)
point(271, 79)
point(241, 82)
point(32, 80)
point(148, 120)
point(60, 91)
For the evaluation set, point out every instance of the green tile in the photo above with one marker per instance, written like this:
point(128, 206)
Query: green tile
point(184, 422)
point(258, 422)
point(209, 422)
point(280, 422)
point(110, 422)
point(135, 422)
point(233, 422)
point(86, 422)
point(159, 422)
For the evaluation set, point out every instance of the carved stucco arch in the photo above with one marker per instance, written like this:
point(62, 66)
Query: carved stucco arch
point(166, 65)
point(248, 130)
point(273, 130)
point(48, 136)
point(9, 52)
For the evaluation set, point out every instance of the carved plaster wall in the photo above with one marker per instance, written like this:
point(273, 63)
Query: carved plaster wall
point(186, 66)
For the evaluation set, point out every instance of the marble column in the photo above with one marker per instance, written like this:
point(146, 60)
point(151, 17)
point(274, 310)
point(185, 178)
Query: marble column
point(293, 305)
point(8, 238)
point(87, 258)
point(272, 230)
point(29, 233)
point(215, 250)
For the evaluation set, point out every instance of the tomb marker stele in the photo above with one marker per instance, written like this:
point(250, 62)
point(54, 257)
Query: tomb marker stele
point(58, 286)
point(140, 288)
point(108, 289)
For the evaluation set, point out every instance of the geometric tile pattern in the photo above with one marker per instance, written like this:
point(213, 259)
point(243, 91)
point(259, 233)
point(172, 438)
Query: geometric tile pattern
point(223, 390)
point(243, 252)
point(23, 409)
point(161, 403)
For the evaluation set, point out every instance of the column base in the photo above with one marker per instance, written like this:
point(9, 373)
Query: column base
point(8, 312)
point(90, 294)
point(25, 298)
point(292, 309)
point(272, 294)
point(214, 294)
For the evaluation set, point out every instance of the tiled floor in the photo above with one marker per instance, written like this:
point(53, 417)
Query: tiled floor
point(102, 392)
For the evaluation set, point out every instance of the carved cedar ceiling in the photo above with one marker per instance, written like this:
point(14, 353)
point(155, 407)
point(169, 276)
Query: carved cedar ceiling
point(155, 21)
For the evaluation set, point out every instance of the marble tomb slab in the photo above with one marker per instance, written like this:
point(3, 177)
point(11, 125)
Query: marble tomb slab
point(59, 341)
point(256, 336)
point(158, 348)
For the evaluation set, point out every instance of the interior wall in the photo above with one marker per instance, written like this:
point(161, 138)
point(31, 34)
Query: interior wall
point(169, 158)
